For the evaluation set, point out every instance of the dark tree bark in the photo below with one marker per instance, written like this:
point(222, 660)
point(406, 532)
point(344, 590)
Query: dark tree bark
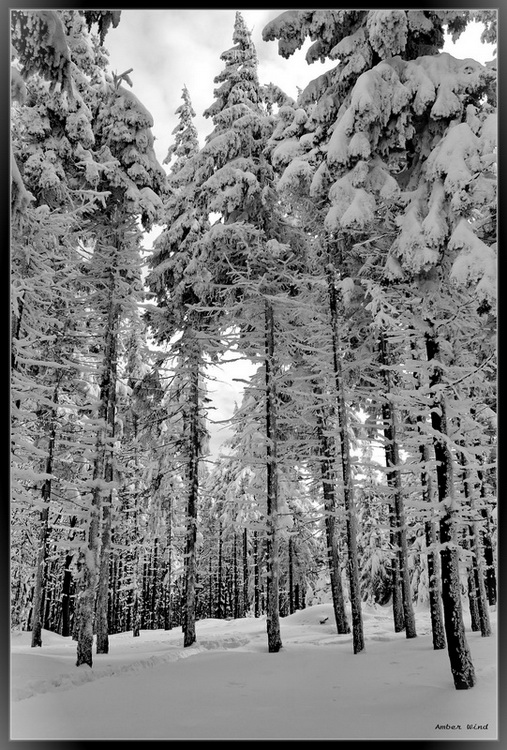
point(257, 606)
point(155, 579)
point(236, 576)
point(327, 463)
point(488, 547)
point(108, 414)
point(272, 553)
point(95, 596)
point(168, 623)
point(396, 593)
point(89, 561)
point(88, 586)
point(430, 530)
point(394, 482)
point(219, 607)
point(136, 588)
point(246, 602)
point(102, 600)
point(40, 570)
point(210, 589)
point(291, 575)
point(475, 623)
point(477, 566)
point(433, 562)
point(193, 489)
point(457, 646)
point(67, 587)
point(350, 511)
point(66, 594)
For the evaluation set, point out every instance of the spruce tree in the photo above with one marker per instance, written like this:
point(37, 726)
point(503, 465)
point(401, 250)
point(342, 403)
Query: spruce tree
point(175, 281)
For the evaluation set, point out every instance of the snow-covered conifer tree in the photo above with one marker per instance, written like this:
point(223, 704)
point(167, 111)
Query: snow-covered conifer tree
point(51, 195)
point(135, 181)
point(230, 177)
point(176, 283)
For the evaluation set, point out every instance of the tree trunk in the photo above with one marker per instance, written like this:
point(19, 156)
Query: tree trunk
point(351, 517)
point(168, 576)
point(488, 547)
point(394, 482)
point(437, 621)
point(291, 575)
point(97, 559)
point(475, 623)
point(40, 570)
point(398, 615)
point(272, 555)
point(193, 488)
point(236, 576)
point(476, 550)
point(246, 603)
point(210, 588)
point(90, 561)
point(102, 601)
point(67, 586)
point(459, 653)
point(257, 610)
point(108, 413)
point(66, 594)
point(296, 597)
point(219, 608)
point(136, 588)
point(88, 585)
point(433, 558)
point(155, 609)
point(76, 621)
point(330, 507)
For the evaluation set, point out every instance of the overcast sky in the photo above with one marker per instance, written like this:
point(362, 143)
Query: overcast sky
point(170, 48)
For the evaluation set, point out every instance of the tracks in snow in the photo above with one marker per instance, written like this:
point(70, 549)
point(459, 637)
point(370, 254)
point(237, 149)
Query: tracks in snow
point(105, 666)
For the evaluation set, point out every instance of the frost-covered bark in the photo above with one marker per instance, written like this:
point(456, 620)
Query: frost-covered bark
point(457, 646)
point(88, 574)
point(107, 413)
point(394, 482)
point(327, 463)
point(477, 562)
point(40, 570)
point(348, 489)
point(433, 562)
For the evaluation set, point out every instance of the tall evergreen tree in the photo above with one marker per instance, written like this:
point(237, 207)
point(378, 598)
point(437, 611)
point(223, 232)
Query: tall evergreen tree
point(176, 284)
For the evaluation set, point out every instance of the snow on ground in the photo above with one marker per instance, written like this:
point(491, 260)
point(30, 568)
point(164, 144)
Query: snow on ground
point(227, 685)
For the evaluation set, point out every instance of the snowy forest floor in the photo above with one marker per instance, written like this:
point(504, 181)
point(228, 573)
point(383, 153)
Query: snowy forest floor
point(227, 685)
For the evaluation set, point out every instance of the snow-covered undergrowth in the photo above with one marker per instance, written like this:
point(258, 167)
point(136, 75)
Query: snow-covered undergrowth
point(315, 687)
